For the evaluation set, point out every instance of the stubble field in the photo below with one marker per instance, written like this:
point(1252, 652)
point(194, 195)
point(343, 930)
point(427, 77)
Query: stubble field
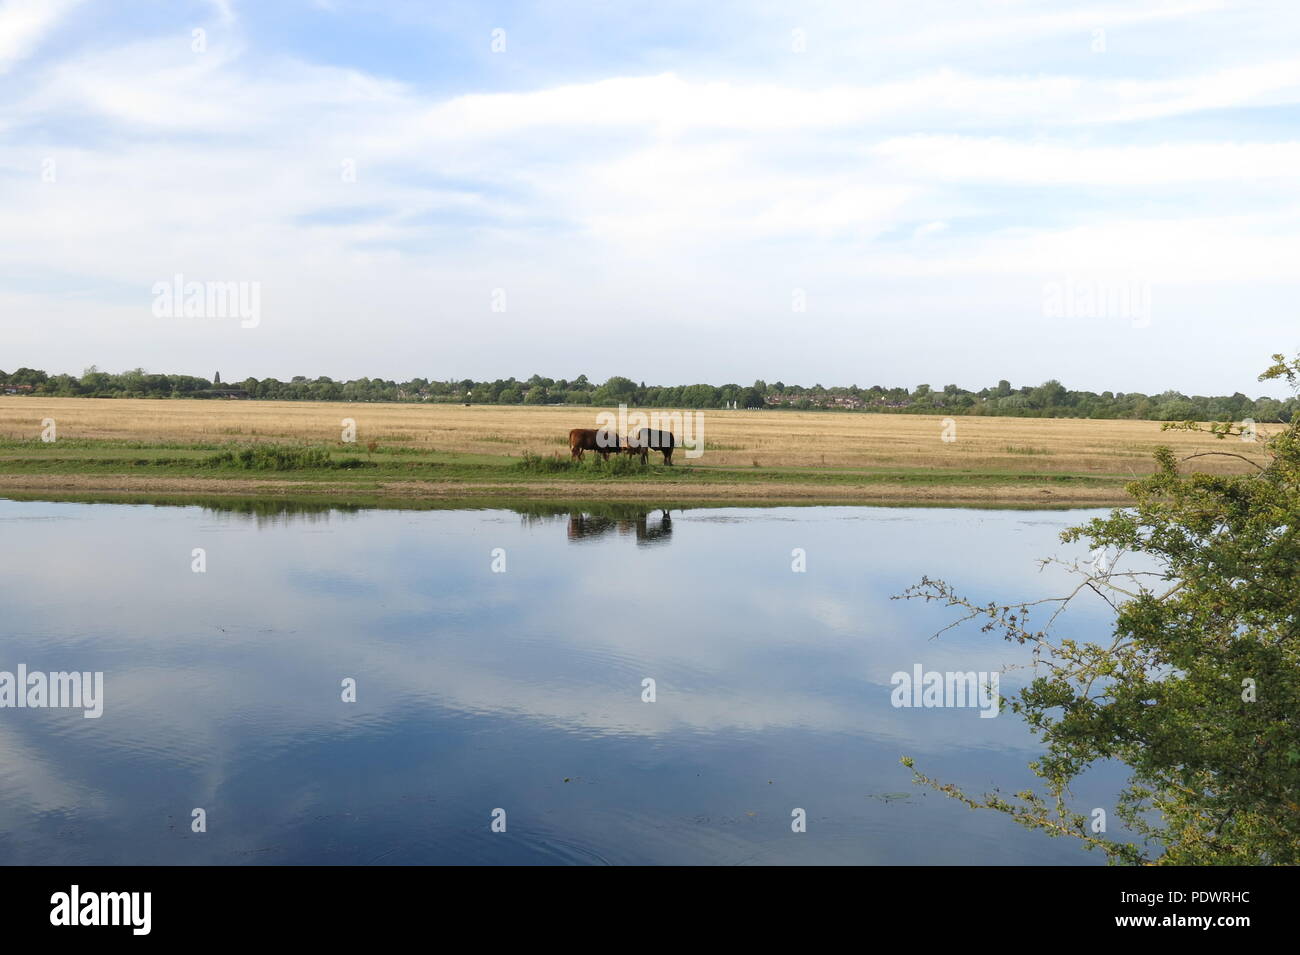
point(778, 455)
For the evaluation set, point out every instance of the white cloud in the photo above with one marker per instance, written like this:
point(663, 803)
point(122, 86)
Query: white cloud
point(969, 159)
point(971, 25)
point(670, 104)
point(685, 193)
point(1270, 83)
point(25, 23)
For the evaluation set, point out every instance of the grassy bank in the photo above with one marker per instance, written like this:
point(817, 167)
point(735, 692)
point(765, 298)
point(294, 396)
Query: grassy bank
point(88, 468)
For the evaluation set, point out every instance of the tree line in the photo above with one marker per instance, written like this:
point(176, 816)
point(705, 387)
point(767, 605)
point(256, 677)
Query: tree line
point(1048, 400)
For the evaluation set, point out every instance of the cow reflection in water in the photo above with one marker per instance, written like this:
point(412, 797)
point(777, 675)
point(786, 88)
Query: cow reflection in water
point(647, 531)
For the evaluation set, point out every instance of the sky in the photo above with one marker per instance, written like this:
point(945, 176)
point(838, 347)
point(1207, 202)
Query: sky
point(818, 193)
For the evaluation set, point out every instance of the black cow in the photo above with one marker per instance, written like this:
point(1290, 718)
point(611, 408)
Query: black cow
point(649, 439)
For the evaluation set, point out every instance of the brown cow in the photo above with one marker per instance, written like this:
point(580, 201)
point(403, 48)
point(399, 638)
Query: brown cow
point(648, 439)
point(601, 440)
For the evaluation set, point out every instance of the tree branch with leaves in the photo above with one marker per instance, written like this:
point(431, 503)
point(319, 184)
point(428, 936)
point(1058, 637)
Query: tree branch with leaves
point(1197, 691)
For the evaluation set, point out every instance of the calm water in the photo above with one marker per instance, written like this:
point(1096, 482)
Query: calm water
point(519, 690)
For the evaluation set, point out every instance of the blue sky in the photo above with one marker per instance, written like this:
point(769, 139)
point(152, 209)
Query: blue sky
point(655, 187)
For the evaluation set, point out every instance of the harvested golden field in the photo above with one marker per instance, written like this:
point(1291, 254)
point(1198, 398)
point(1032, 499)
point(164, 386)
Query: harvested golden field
point(766, 439)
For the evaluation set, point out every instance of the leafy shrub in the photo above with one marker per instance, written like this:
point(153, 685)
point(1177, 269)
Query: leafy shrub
point(264, 457)
point(550, 464)
point(616, 465)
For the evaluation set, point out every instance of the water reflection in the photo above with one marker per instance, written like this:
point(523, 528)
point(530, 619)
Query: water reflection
point(646, 526)
point(521, 689)
point(271, 513)
point(646, 529)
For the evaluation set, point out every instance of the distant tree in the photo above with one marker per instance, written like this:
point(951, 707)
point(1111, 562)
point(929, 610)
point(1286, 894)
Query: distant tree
point(617, 390)
point(1268, 409)
point(1049, 394)
point(1179, 409)
point(699, 396)
point(94, 381)
point(28, 376)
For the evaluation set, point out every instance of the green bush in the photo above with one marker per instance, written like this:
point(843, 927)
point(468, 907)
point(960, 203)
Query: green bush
point(616, 464)
point(269, 457)
point(539, 464)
